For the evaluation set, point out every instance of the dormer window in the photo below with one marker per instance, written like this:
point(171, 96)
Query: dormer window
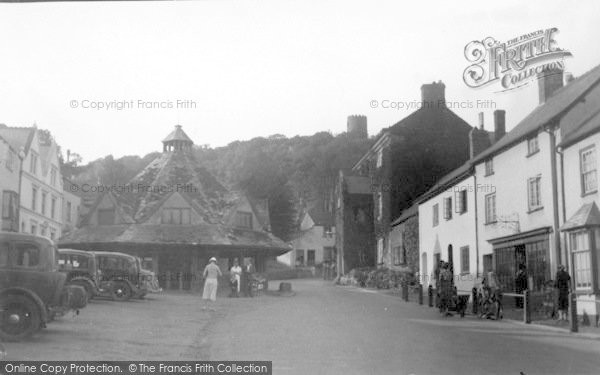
point(489, 167)
point(243, 220)
point(177, 216)
point(33, 162)
point(10, 160)
point(532, 145)
point(53, 174)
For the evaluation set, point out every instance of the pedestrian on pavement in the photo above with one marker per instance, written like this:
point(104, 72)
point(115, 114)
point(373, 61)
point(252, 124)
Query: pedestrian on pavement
point(520, 285)
point(563, 284)
point(236, 278)
point(445, 285)
point(249, 274)
point(211, 274)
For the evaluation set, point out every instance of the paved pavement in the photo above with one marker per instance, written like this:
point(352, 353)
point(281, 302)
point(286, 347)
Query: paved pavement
point(323, 329)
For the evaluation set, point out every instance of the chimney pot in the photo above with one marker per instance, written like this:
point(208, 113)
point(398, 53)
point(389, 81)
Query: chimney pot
point(499, 124)
point(548, 82)
point(434, 94)
point(481, 120)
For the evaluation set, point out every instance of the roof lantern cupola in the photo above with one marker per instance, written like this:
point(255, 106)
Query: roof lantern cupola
point(177, 140)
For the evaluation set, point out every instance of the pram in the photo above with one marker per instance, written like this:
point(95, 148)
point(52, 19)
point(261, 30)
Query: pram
point(489, 300)
point(455, 303)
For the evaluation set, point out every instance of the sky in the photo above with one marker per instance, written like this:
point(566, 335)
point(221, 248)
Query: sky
point(235, 70)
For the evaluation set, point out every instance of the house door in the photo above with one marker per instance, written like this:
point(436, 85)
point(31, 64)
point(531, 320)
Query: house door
point(310, 257)
point(451, 258)
point(487, 263)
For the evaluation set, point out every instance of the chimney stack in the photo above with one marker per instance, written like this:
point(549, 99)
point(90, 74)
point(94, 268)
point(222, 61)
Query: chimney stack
point(480, 120)
point(499, 124)
point(479, 140)
point(433, 95)
point(548, 82)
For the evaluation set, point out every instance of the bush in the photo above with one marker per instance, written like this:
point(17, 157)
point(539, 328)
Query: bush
point(380, 278)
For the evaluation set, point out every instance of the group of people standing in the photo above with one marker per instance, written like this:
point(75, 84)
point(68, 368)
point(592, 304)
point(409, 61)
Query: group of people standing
point(445, 286)
point(562, 283)
point(211, 275)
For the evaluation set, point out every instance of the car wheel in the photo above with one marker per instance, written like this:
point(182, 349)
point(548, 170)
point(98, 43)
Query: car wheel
point(88, 289)
point(20, 317)
point(121, 291)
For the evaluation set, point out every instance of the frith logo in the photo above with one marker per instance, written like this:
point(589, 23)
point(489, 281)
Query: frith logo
point(515, 62)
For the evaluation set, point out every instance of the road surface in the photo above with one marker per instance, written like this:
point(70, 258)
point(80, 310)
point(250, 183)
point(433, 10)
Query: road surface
point(323, 329)
point(336, 330)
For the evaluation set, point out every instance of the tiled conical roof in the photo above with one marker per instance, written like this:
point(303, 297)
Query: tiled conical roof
point(177, 135)
point(170, 172)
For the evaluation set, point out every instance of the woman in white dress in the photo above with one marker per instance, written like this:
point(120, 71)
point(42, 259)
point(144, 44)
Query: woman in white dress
point(236, 278)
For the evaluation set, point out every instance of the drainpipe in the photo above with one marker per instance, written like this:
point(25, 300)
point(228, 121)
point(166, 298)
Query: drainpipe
point(562, 196)
point(555, 214)
point(476, 227)
point(21, 156)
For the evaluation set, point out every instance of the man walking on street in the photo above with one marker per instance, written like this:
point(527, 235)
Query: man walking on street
point(211, 274)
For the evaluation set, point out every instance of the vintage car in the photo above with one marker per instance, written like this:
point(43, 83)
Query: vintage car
point(149, 279)
point(32, 290)
point(121, 275)
point(81, 269)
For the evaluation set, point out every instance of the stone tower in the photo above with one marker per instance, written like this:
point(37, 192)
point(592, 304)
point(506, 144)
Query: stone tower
point(357, 126)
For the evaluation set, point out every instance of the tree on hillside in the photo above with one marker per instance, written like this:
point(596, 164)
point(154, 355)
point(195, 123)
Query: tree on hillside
point(69, 167)
point(282, 211)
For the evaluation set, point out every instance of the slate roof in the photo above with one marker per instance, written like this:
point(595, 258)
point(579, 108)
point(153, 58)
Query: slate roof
point(10, 147)
point(174, 171)
point(71, 187)
point(447, 181)
point(437, 123)
point(588, 127)
point(412, 210)
point(177, 135)
point(171, 173)
point(320, 216)
point(562, 100)
point(203, 234)
point(588, 215)
point(17, 137)
point(426, 117)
